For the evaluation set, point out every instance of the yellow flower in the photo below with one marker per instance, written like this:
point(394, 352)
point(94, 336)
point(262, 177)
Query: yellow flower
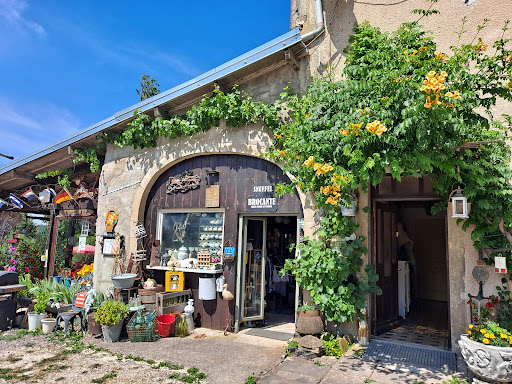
point(308, 162)
point(278, 136)
point(483, 331)
point(384, 98)
point(449, 94)
point(317, 166)
point(492, 336)
point(431, 74)
point(503, 336)
point(485, 341)
point(481, 47)
point(282, 153)
point(487, 336)
point(345, 132)
point(405, 53)
point(470, 326)
point(468, 331)
point(422, 49)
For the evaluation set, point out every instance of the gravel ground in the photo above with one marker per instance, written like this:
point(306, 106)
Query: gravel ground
point(224, 359)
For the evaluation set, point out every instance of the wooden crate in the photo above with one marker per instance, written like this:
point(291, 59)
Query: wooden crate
point(172, 301)
point(204, 258)
point(174, 281)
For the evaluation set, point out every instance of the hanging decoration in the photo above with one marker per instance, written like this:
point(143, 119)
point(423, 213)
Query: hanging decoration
point(111, 218)
point(183, 183)
point(459, 204)
point(500, 264)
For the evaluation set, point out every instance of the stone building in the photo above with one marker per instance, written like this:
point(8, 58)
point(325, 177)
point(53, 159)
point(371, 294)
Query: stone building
point(134, 182)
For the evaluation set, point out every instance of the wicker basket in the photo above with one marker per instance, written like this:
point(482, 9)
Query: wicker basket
point(149, 333)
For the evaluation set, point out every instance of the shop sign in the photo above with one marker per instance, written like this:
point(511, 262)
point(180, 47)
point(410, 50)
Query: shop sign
point(263, 198)
point(76, 212)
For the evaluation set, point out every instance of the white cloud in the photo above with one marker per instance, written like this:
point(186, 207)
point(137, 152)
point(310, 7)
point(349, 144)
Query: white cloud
point(30, 127)
point(12, 12)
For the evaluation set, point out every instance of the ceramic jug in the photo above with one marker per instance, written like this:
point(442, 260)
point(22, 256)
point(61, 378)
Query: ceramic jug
point(189, 308)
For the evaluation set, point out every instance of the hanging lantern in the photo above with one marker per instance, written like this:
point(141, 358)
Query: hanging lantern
point(459, 205)
point(85, 228)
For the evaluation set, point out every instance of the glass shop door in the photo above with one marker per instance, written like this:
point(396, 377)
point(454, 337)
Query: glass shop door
point(254, 256)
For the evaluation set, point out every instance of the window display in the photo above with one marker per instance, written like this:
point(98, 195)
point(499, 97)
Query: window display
point(184, 234)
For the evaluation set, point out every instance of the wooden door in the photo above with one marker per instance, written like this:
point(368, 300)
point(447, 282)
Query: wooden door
point(386, 264)
point(253, 268)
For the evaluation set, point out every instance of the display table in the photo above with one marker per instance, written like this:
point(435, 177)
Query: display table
point(190, 270)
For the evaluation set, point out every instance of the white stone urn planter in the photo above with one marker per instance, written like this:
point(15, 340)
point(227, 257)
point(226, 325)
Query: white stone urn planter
point(487, 362)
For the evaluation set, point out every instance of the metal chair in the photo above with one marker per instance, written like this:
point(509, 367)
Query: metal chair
point(78, 309)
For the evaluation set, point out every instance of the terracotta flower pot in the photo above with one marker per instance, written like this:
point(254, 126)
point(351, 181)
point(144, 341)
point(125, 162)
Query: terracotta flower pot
point(485, 361)
point(309, 322)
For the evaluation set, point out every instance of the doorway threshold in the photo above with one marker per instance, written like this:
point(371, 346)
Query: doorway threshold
point(404, 353)
point(281, 331)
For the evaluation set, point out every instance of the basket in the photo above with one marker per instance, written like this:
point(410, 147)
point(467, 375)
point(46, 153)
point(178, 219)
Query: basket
point(149, 333)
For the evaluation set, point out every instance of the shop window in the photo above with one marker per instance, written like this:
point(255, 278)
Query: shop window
point(194, 231)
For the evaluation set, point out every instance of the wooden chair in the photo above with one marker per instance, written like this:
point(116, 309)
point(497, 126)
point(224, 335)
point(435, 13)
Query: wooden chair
point(78, 309)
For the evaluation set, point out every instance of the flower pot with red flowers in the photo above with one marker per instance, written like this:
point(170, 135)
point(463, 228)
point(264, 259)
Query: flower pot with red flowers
point(487, 351)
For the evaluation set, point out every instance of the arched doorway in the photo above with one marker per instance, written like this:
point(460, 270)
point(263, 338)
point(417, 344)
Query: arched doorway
point(213, 218)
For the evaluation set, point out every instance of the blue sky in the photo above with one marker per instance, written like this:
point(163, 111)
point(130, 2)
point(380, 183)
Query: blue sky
point(65, 65)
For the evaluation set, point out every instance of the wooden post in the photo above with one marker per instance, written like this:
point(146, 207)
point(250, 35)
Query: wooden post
point(49, 233)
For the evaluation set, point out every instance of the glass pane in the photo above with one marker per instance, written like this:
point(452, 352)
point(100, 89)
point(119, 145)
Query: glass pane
point(196, 231)
point(459, 207)
point(253, 271)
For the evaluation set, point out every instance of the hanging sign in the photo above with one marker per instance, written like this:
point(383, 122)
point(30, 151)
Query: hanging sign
point(81, 244)
point(263, 198)
point(212, 196)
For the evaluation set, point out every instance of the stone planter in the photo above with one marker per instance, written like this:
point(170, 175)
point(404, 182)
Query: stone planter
point(309, 322)
point(487, 362)
point(112, 334)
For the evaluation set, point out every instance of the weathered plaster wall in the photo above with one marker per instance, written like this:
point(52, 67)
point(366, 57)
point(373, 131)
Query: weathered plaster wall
point(128, 175)
point(327, 52)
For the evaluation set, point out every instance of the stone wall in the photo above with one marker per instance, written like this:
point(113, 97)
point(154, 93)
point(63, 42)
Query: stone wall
point(128, 175)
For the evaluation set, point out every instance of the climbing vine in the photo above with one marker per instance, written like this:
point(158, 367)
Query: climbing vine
point(404, 107)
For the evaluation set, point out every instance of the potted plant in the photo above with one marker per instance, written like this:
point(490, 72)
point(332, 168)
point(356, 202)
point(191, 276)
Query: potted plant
point(110, 315)
point(309, 321)
point(487, 349)
point(93, 326)
point(34, 318)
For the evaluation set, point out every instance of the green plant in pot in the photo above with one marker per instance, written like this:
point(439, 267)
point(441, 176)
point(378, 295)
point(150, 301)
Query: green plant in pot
point(309, 321)
point(110, 315)
point(486, 349)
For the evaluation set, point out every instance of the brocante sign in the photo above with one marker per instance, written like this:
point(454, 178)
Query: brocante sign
point(263, 198)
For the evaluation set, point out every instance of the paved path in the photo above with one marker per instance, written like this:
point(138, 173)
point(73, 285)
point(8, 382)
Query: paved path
point(351, 370)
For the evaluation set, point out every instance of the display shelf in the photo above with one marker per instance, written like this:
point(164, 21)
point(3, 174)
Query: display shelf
point(191, 270)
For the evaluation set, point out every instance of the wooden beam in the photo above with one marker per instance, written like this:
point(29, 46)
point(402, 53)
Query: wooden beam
point(160, 112)
point(290, 57)
point(21, 175)
point(52, 163)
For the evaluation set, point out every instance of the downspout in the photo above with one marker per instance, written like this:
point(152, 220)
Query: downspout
point(320, 23)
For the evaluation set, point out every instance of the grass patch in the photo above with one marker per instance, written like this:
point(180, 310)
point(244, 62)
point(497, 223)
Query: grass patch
point(13, 359)
point(95, 365)
point(104, 378)
point(166, 364)
point(54, 367)
point(318, 363)
point(9, 374)
point(250, 380)
point(193, 376)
